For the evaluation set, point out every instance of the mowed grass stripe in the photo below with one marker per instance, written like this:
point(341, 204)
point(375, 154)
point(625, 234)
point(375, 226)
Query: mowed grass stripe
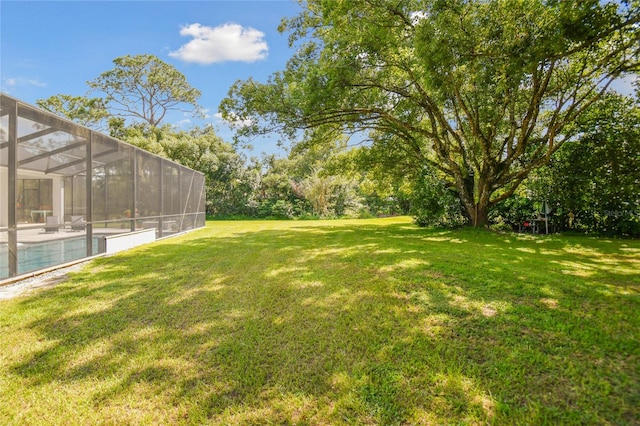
point(332, 322)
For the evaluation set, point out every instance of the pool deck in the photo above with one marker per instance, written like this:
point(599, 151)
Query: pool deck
point(31, 235)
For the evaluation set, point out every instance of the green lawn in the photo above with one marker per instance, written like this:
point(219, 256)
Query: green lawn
point(332, 322)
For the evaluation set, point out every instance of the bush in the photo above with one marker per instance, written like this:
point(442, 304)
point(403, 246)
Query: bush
point(592, 182)
point(436, 205)
point(282, 209)
point(509, 214)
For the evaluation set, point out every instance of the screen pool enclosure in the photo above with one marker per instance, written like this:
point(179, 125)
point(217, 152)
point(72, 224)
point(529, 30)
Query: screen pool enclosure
point(66, 190)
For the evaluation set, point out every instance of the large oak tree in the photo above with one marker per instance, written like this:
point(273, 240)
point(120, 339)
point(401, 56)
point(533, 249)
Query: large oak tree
point(482, 91)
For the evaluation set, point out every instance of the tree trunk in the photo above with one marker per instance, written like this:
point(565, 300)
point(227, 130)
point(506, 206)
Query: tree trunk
point(479, 214)
point(477, 210)
point(482, 215)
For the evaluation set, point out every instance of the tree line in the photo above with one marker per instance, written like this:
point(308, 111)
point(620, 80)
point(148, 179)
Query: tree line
point(467, 112)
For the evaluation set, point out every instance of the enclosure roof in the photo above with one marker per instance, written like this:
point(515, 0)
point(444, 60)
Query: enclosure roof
point(51, 144)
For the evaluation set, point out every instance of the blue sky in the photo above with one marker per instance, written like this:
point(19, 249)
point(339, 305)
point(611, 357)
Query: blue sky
point(55, 47)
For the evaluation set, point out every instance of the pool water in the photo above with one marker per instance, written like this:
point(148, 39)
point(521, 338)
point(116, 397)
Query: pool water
point(32, 257)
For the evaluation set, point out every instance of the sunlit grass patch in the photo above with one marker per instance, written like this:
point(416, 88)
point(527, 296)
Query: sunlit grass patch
point(332, 322)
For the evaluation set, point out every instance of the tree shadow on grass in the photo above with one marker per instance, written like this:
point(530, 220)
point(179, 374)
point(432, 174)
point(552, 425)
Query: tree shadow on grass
point(357, 323)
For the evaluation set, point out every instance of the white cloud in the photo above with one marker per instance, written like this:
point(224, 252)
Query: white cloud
point(206, 113)
point(234, 124)
point(227, 42)
point(20, 81)
point(36, 83)
point(10, 83)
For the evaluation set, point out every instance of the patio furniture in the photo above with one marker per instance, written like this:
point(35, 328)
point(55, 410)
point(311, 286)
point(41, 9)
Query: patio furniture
point(78, 223)
point(39, 214)
point(52, 225)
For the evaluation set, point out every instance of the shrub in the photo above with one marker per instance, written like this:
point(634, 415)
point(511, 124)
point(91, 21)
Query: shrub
point(436, 205)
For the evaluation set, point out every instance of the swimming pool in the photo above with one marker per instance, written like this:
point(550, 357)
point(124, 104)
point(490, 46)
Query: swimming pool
point(36, 256)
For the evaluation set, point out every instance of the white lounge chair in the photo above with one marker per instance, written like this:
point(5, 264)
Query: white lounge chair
point(52, 224)
point(78, 223)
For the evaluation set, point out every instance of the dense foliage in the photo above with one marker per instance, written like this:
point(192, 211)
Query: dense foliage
point(463, 112)
point(593, 183)
point(436, 205)
point(482, 90)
